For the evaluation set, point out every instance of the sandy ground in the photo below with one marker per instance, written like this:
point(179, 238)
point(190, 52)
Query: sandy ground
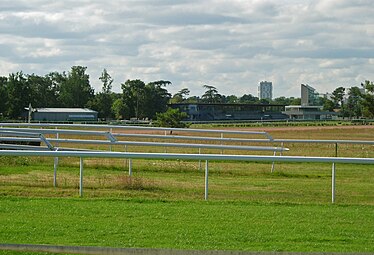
point(266, 129)
point(305, 128)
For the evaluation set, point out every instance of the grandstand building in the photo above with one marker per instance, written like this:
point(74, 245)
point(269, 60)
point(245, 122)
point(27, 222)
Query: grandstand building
point(308, 112)
point(219, 112)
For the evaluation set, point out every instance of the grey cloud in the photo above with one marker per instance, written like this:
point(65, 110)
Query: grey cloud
point(331, 53)
point(229, 44)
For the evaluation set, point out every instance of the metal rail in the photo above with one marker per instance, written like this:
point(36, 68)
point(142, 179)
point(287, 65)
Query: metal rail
point(112, 136)
point(175, 156)
point(156, 144)
point(40, 136)
point(219, 157)
point(188, 130)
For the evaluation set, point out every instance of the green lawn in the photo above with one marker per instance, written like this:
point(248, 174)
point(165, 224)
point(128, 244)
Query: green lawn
point(187, 224)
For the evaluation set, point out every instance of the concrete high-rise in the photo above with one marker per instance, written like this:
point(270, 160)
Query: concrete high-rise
point(265, 90)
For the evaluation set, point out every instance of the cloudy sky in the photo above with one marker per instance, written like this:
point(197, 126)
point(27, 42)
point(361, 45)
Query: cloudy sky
point(229, 44)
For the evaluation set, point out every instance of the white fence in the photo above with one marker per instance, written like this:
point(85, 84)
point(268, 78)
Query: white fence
point(175, 156)
point(38, 134)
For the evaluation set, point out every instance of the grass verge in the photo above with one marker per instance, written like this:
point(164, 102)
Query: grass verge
point(187, 225)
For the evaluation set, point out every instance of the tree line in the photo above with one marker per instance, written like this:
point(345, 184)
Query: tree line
point(138, 99)
point(354, 102)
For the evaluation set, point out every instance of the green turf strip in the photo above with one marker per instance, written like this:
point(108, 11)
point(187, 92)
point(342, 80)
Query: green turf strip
point(187, 225)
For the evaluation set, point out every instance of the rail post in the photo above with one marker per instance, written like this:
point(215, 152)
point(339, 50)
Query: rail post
point(199, 160)
point(81, 177)
point(165, 148)
point(57, 137)
point(206, 179)
point(130, 167)
point(273, 164)
point(221, 142)
point(55, 165)
point(333, 183)
point(125, 158)
point(110, 131)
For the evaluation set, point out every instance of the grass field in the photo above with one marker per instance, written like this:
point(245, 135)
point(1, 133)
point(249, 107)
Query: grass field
point(162, 205)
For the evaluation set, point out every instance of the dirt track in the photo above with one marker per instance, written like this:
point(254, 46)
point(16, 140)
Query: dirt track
point(303, 128)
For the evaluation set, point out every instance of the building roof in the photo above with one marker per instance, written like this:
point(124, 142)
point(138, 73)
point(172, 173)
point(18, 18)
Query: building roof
point(304, 106)
point(224, 104)
point(66, 110)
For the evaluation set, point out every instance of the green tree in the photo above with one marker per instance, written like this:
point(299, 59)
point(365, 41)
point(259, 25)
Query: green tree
point(171, 118)
point(156, 98)
point(19, 93)
point(75, 88)
point(118, 109)
point(353, 107)
point(133, 92)
point(338, 96)
point(295, 101)
point(107, 81)
point(328, 105)
point(4, 96)
point(368, 99)
point(103, 101)
point(211, 95)
point(248, 99)
point(282, 100)
point(231, 99)
point(144, 101)
point(180, 96)
point(193, 99)
point(44, 93)
point(264, 101)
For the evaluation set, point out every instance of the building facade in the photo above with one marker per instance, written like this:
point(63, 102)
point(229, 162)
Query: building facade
point(309, 96)
point(64, 114)
point(307, 112)
point(220, 112)
point(265, 90)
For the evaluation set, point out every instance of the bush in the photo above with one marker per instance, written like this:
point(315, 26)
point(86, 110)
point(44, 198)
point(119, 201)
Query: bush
point(171, 118)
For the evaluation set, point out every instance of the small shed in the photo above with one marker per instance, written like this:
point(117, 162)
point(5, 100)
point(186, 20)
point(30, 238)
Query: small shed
point(64, 114)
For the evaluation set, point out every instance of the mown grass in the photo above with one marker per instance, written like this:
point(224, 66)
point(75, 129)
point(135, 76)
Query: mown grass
point(162, 205)
point(187, 224)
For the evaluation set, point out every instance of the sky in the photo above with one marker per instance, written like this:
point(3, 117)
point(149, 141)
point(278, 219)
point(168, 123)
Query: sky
point(229, 44)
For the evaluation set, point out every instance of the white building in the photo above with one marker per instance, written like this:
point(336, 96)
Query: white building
point(265, 90)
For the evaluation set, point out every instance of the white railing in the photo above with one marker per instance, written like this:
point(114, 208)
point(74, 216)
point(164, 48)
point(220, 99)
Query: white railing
point(34, 134)
point(175, 156)
point(111, 127)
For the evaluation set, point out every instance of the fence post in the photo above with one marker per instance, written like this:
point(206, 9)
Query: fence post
point(199, 160)
point(206, 179)
point(110, 146)
point(55, 165)
point(282, 146)
point(125, 158)
point(222, 142)
point(81, 177)
point(57, 137)
point(130, 167)
point(165, 148)
point(273, 164)
point(333, 183)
